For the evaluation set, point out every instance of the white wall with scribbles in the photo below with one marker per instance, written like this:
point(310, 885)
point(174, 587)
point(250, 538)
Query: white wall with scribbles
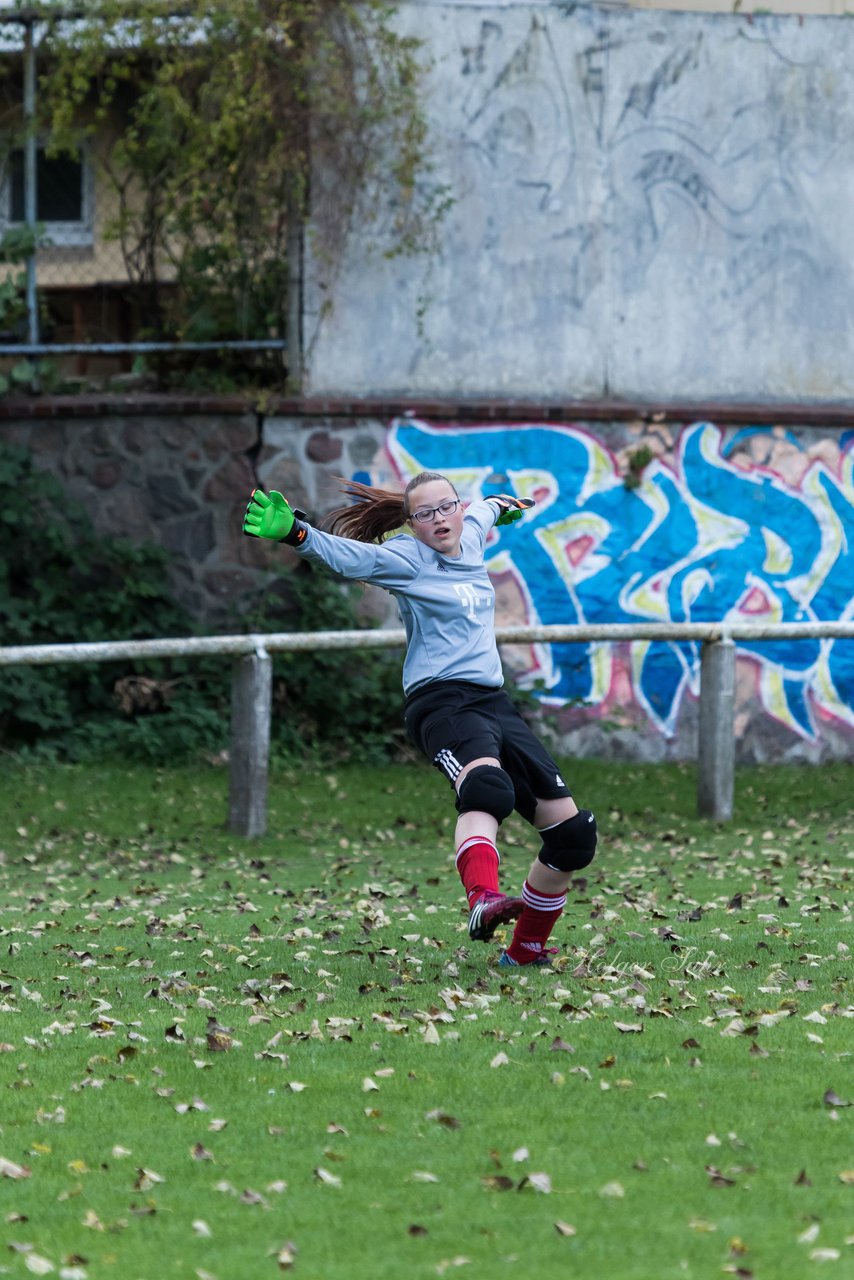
point(646, 204)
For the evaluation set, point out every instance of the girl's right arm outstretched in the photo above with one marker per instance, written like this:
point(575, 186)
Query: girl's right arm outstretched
point(387, 565)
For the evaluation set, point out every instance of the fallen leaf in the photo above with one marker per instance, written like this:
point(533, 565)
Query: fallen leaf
point(8, 1169)
point(539, 1181)
point(327, 1178)
point(202, 1229)
point(497, 1182)
point(564, 1229)
point(146, 1179)
point(832, 1099)
point(500, 1060)
point(613, 1191)
point(286, 1255)
point(218, 1041)
point(38, 1265)
point(442, 1118)
point(629, 1028)
point(415, 1229)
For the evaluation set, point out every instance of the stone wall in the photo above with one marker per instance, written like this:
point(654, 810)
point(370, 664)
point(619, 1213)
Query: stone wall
point(640, 516)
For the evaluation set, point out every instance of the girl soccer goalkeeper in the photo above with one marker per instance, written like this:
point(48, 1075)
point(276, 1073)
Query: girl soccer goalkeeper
point(456, 709)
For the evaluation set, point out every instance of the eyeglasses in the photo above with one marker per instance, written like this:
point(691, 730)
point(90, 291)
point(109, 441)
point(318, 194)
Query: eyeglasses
point(427, 514)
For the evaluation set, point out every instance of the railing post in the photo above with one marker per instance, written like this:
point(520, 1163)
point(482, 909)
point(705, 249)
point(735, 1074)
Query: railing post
point(31, 160)
point(716, 745)
point(249, 750)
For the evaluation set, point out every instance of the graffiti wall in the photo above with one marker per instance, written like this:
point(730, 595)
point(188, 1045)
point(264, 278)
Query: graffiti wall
point(696, 524)
point(644, 204)
point(635, 521)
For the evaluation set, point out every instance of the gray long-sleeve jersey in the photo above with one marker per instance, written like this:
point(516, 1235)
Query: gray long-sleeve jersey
point(447, 605)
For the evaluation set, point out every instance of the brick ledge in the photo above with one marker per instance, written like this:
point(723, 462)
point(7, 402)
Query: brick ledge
point(451, 409)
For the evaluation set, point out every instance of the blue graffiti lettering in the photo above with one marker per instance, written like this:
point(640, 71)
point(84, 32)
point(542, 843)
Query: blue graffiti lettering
point(701, 539)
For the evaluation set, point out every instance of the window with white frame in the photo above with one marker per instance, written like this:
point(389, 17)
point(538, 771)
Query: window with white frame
point(63, 195)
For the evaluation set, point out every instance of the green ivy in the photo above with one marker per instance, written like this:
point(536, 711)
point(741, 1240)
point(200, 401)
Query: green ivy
point(61, 582)
point(17, 245)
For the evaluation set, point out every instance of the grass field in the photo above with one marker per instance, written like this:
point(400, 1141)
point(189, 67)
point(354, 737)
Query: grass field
point(234, 1059)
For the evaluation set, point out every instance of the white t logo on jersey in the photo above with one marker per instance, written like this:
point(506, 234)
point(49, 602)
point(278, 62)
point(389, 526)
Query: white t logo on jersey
point(469, 598)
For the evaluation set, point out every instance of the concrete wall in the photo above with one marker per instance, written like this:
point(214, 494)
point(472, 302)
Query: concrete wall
point(648, 204)
point(726, 521)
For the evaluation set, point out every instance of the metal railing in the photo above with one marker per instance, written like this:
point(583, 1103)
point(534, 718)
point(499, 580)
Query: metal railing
point(251, 695)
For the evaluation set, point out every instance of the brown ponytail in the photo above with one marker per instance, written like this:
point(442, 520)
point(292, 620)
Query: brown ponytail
point(373, 513)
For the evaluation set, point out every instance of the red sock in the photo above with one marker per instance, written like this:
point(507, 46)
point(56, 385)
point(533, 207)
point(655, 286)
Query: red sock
point(477, 863)
point(539, 916)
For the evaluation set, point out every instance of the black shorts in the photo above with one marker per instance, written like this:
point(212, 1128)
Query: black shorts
point(454, 722)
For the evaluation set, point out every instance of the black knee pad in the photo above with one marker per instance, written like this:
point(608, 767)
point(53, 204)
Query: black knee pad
point(487, 789)
point(570, 845)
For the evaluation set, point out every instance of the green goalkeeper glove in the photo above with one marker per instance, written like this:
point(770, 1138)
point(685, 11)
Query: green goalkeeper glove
point(511, 508)
point(270, 515)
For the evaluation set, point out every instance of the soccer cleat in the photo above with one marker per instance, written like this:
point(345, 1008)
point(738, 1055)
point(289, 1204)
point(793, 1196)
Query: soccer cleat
point(542, 961)
point(489, 912)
